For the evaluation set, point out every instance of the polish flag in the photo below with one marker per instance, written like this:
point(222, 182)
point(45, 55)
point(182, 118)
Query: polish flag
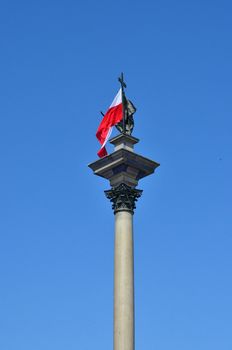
point(112, 117)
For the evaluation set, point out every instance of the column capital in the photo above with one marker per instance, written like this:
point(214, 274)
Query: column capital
point(123, 198)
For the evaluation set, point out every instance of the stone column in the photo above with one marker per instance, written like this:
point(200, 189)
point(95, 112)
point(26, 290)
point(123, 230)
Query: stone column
point(123, 168)
point(123, 282)
point(123, 198)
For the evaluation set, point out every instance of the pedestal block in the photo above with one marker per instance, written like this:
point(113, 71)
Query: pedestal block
point(123, 165)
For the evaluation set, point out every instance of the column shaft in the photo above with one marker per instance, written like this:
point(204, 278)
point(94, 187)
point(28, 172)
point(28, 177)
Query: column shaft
point(123, 282)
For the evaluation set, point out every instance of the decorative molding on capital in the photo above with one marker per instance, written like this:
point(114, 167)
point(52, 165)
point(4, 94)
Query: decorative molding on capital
point(123, 197)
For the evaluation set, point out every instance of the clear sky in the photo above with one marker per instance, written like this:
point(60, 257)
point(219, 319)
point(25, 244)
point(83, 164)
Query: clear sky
point(59, 65)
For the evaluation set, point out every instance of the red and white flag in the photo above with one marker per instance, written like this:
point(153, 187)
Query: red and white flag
point(112, 117)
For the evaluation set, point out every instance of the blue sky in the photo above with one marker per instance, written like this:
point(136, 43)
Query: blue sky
point(59, 65)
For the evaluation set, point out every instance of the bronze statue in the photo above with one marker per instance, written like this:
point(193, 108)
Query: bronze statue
point(129, 119)
point(127, 124)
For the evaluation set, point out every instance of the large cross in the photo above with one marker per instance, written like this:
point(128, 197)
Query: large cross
point(122, 82)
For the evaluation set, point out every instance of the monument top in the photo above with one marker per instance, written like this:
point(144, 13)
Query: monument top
point(123, 165)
